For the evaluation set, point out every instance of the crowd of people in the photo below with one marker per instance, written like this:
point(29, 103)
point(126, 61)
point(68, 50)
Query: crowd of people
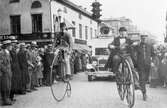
point(26, 67)
point(158, 72)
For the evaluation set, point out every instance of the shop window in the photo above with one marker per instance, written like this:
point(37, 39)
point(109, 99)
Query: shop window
point(15, 24)
point(36, 4)
point(36, 23)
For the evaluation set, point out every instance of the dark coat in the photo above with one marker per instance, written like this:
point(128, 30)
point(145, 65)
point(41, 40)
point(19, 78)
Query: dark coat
point(141, 60)
point(23, 62)
point(116, 42)
point(144, 62)
point(5, 68)
point(16, 78)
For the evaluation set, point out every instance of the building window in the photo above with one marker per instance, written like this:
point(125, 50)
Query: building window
point(36, 4)
point(80, 16)
point(86, 32)
point(90, 21)
point(80, 31)
point(73, 30)
point(36, 23)
point(95, 33)
point(14, 1)
point(15, 24)
point(65, 10)
point(91, 33)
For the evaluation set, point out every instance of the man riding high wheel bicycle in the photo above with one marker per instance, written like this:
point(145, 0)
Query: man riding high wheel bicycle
point(120, 57)
point(60, 67)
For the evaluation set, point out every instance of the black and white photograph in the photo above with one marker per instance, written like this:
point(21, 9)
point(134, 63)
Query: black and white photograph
point(83, 53)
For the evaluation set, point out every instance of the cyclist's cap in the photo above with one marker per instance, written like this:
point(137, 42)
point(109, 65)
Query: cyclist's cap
point(122, 29)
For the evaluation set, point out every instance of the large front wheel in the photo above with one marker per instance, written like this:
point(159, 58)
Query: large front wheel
point(130, 90)
point(119, 82)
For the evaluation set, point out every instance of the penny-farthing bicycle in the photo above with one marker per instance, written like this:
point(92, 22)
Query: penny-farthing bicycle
point(60, 85)
point(125, 82)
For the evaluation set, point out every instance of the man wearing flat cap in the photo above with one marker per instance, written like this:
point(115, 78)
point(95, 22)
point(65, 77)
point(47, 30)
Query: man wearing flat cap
point(16, 72)
point(5, 68)
point(23, 61)
point(144, 54)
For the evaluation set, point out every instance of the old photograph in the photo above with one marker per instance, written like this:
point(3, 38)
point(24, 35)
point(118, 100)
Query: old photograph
point(83, 53)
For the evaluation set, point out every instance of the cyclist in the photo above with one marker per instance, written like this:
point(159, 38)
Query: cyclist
point(64, 39)
point(121, 45)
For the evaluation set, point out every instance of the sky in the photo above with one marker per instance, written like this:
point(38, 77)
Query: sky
point(148, 15)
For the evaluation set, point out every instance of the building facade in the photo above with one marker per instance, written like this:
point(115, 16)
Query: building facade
point(109, 28)
point(39, 19)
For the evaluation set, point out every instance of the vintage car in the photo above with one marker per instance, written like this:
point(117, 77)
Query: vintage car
point(96, 69)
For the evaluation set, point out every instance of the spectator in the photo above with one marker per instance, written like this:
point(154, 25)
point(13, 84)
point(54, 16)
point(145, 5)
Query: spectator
point(23, 62)
point(34, 62)
point(39, 70)
point(163, 70)
point(48, 58)
point(16, 72)
point(5, 68)
point(144, 54)
point(154, 75)
point(30, 68)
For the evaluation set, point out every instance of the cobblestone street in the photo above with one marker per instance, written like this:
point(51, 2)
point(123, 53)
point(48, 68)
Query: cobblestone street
point(96, 94)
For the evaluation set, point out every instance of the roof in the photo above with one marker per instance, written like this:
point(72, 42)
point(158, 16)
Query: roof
point(76, 8)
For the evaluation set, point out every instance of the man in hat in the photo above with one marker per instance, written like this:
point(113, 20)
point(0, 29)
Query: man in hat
point(16, 72)
point(5, 68)
point(34, 62)
point(65, 39)
point(48, 58)
point(121, 46)
point(23, 62)
point(144, 54)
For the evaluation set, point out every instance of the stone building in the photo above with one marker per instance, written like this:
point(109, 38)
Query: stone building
point(39, 19)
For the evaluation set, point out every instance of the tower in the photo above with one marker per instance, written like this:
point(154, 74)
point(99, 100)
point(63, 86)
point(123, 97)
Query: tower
point(96, 9)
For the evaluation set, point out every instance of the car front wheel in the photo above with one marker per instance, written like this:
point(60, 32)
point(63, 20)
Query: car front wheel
point(90, 78)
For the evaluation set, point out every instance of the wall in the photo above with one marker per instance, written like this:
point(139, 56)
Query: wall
point(23, 8)
point(72, 15)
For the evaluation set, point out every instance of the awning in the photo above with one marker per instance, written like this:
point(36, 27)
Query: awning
point(69, 24)
point(82, 48)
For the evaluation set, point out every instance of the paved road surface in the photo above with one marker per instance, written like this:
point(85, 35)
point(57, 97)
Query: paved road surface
point(96, 94)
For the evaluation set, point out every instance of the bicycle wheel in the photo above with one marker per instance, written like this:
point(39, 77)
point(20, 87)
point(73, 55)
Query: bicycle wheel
point(119, 82)
point(68, 89)
point(58, 85)
point(130, 90)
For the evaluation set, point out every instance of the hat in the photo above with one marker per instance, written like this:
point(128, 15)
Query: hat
point(5, 42)
point(28, 45)
point(143, 36)
point(12, 37)
point(14, 41)
point(49, 45)
point(122, 29)
point(22, 45)
point(34, 43)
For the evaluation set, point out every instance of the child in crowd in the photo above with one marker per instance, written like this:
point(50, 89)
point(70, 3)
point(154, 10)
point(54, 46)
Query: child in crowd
point(39, 70)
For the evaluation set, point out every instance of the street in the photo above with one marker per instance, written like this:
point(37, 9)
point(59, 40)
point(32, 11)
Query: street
point(96, 94)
